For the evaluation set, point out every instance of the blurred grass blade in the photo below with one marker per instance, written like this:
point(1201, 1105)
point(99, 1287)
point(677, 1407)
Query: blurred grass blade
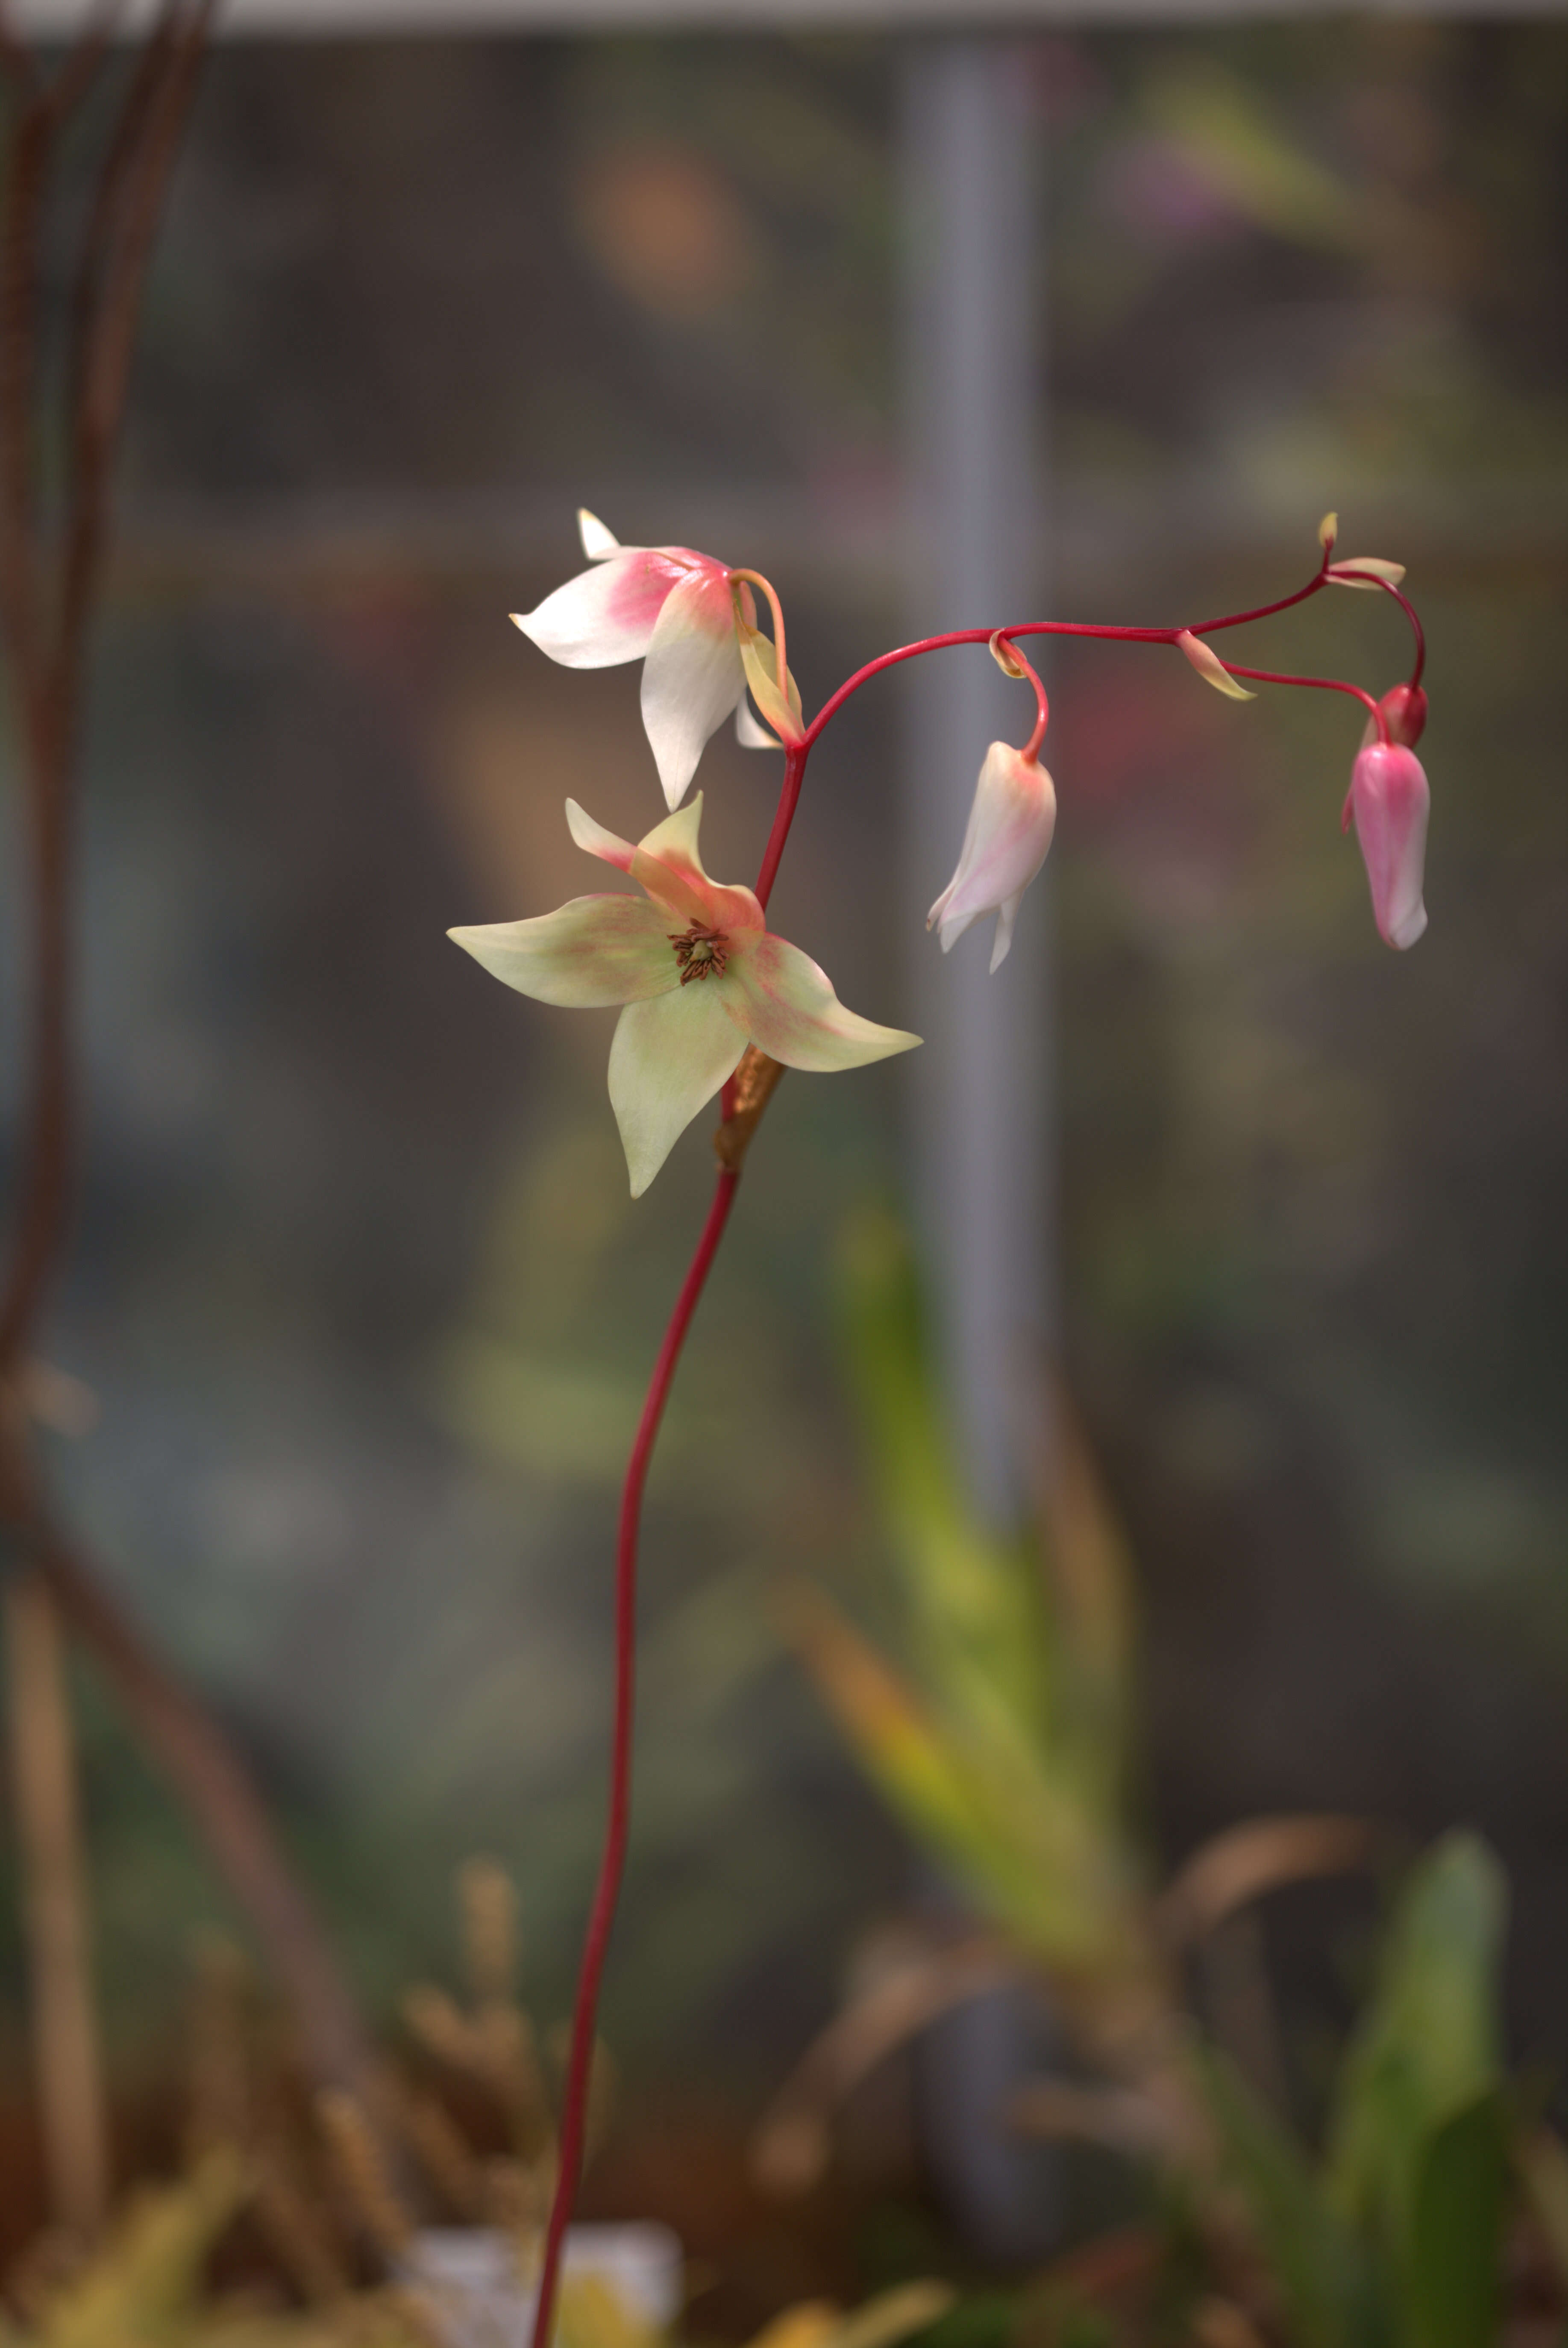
point(1053, 1873)
point(887, 1726)
point(1452, 2285)
point(971, 1593)
point(1089, 1567)
point(1316, 2263)
point(1429, 2045)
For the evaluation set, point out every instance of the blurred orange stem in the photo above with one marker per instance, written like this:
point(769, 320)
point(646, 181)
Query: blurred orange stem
point(65, 2053)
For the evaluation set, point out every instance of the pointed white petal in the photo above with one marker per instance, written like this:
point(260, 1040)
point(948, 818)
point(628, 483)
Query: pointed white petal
point(596, 841)
point(668, 1058)
point(692, 678)
point(597, 541)
point(1002, 943)
point(594, 952)
point(604, 615)
point(748, 732)
point(792, 1013)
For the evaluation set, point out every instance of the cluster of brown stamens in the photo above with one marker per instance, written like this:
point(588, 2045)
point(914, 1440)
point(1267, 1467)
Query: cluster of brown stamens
point(701, 953)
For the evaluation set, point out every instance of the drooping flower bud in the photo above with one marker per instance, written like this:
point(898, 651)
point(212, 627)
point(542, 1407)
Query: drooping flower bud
point(1403, 709)
point(1388, 803)
point(1006, 842)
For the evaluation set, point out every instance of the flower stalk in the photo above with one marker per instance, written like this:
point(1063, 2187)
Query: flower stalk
point(1010, 831)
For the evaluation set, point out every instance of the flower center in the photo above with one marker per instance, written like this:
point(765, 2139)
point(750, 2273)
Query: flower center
point(701, 952)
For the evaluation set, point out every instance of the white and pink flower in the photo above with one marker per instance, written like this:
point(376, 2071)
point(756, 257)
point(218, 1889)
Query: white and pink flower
point(675, 611)
point(698, 973)
point(1008, 840)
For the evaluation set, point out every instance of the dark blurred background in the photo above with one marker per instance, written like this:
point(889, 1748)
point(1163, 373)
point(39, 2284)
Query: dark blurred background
point(358, 1282)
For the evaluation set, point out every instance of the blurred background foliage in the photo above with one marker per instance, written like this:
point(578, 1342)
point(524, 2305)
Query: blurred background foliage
point(359, 1286)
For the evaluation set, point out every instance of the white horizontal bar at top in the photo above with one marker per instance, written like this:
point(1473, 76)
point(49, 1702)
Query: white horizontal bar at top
point(367, 19)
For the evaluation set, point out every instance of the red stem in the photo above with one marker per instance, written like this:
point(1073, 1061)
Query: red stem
point(999, 644)
point(784, 815)
point(1320, 580)
point(575, 2103)
point(1267, 611)
point(1323, 685)
point(1408, 609)
point(835, 702)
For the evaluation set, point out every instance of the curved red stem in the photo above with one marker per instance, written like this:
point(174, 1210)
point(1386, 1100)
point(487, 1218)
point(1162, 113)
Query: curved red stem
point(1000, 643)
point(1323, 685)
point(574, 2107)
point(1408, 609)
point(835, 702)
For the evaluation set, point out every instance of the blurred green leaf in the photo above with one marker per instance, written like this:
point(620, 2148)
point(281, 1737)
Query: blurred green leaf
point(971, 1594)
point(1428, 2046)
point(1000, 1733)
point(1453, 2267)
point(1321, 2270)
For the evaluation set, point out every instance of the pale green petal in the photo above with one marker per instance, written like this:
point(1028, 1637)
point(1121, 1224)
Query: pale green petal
point(594, 952)
point(674, 840)
point(669, 864)
point(593, 837)
point(668, 1058)
point(791, 1013)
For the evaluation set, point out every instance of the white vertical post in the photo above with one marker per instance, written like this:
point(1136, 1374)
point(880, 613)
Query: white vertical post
point(976, 532)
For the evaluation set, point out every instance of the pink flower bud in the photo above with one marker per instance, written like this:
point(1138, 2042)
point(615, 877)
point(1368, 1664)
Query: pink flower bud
point(1404, 711)
point(1389, 801)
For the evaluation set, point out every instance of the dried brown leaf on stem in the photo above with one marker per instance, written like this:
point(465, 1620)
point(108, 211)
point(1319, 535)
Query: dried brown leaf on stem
point(792, 2143)
point(745, 1097)
point(1257, 1857)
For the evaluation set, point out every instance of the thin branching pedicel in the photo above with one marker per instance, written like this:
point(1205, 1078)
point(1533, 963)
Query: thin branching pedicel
point(762, 1006)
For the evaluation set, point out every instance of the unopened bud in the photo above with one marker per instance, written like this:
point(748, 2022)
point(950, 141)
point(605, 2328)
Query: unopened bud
point(1327, 530)
point(1210, 667)
point(1372, 564)
point(1389, 804)
point(1403, 709)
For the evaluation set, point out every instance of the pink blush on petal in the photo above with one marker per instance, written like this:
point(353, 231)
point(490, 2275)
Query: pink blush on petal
point(643, 577)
